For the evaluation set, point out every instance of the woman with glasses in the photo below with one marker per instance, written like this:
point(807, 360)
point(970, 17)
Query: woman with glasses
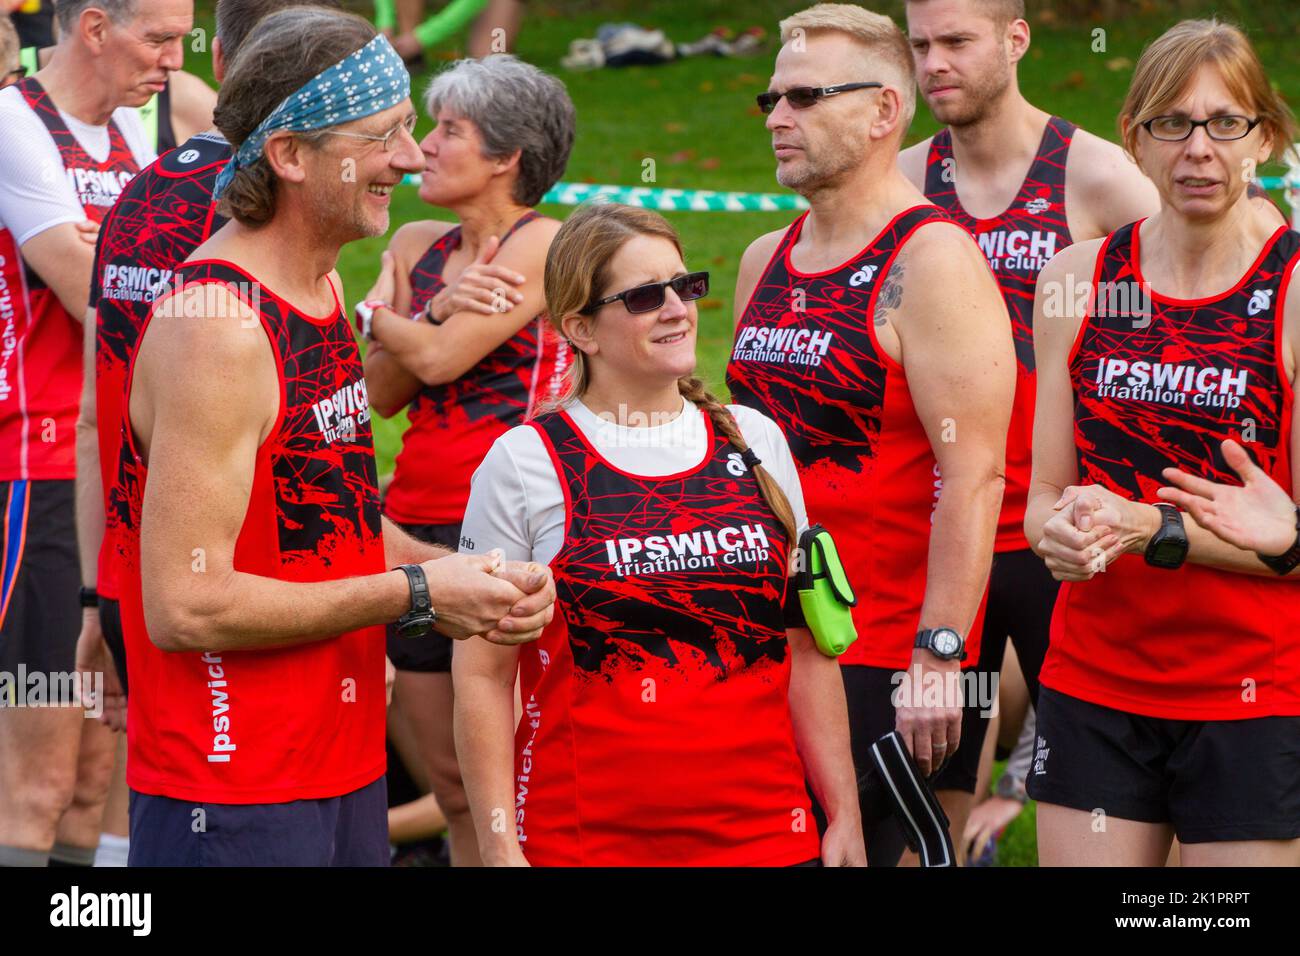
point(457, 337)
point(675, 706)
point(1170, 702)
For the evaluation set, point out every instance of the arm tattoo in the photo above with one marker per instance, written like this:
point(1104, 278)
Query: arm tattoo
point(891, 293)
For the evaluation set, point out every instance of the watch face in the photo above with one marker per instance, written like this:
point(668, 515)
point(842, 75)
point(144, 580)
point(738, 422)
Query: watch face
point(1168, 552)
point(946, 643)
point(415, 625)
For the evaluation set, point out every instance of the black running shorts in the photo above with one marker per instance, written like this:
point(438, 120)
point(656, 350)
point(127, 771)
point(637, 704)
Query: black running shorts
point(1213, 780)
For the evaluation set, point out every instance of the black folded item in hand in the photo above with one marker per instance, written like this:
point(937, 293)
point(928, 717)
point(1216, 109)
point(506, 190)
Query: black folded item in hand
point(894, 785)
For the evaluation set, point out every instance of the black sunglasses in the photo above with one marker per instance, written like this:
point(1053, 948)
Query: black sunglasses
point(802, 97)
point(647, 298)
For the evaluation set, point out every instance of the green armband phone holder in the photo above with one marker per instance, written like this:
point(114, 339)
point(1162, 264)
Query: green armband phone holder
point(825, 594)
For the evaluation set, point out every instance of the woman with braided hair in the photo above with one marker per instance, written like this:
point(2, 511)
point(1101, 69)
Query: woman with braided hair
point(677, 704)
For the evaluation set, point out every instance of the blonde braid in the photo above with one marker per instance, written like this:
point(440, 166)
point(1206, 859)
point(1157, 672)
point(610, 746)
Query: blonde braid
point(695, 391)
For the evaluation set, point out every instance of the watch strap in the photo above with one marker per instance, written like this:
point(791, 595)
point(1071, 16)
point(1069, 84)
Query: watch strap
point(420, 601)
point(366, 316)
point(1286, 562)
point(89, 597)
point(924, 638)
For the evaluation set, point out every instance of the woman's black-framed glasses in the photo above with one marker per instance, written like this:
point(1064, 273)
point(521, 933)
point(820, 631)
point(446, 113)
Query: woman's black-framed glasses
point(802, 97)
point(1175, 129)
point(647, 298)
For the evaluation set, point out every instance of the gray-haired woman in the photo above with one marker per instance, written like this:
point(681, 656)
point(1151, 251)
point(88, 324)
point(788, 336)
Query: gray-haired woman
point(479, 355)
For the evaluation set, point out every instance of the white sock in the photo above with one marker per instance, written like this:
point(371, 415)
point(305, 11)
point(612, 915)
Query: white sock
point(112, 850)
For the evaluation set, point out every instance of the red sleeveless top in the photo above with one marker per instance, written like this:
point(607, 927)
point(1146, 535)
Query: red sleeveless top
point(279, 724)
point(656, 726)
point(163, 215)
point(454, 424)
point(1017, 244)
point(1161, 383)
point(806, 356)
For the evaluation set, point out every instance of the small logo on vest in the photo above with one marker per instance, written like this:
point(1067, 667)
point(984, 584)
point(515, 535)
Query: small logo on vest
point(735, 464)
point(1260, 300)
point(187, 157)
point(1041, 750)
point(863, 276)
point(1038, 205)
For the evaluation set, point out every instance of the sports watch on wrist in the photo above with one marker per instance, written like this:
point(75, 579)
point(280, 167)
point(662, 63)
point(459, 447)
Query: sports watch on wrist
point(1168, 546)
point(419, 620)
point(1286, 562)
point(943, 642)
point(366, 316)
point(88, 597)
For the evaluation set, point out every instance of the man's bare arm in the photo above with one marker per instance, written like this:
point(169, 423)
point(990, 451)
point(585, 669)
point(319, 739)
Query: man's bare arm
point(193, 103)
point(752, 263)
point(1104, 188)
point(204, 400)
point(90, 490)
point(961, 372)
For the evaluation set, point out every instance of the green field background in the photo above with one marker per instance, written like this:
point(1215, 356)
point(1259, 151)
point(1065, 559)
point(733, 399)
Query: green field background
point(697, 120)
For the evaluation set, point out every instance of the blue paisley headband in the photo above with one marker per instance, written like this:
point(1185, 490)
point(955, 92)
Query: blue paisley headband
point(369, 81)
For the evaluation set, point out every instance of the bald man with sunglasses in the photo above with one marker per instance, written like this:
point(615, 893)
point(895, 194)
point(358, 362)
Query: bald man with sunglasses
point(872, 331)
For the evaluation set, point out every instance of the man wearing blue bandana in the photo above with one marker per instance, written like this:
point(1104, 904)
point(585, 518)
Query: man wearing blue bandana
point(257, 573)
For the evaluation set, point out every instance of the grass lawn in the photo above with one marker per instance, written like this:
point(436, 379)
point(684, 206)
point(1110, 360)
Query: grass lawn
point(697, 120)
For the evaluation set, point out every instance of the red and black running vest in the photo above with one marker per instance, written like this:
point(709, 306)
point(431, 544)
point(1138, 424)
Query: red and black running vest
point(40, 343)
point(454, 424)
point(1160, 383)
point(279, 724)
point(162, 216)
point(656, 726)
point(806, 356)
point(1017, 244)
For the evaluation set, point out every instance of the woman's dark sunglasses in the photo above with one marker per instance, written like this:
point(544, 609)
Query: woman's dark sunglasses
point(647, 298)
point(802, 97)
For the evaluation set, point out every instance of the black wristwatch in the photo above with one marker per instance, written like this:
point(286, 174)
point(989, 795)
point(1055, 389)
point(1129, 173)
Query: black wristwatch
point(1286, 563)
point(419, 620)
point(1168, 547)
point(90, 597)
point(943, 642)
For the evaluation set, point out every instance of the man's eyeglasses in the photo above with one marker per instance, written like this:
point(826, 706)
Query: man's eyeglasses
point(802, 97)
point(1175, 129)
point(647, 298)
point(407, 124)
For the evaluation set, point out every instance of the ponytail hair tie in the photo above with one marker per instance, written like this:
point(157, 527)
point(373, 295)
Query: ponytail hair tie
point(750, 459)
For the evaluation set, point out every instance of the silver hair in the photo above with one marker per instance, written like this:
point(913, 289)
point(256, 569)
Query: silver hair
point(515, 106)
point(69, 12)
